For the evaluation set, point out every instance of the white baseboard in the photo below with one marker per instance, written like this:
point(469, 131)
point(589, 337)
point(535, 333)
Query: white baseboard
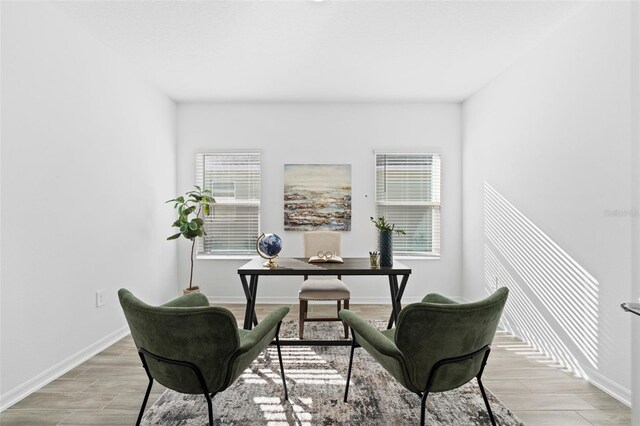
point(620, 393)
point(50, 374)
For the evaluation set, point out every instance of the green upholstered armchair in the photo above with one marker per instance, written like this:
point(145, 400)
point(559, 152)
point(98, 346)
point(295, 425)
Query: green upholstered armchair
point(192, 347)
point(437, 345)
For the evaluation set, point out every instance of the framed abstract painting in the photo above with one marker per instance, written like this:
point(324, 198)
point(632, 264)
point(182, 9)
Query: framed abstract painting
point(317, 197)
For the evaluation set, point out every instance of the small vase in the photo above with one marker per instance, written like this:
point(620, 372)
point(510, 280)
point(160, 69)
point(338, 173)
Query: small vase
point(385, 243)
point(193, 289)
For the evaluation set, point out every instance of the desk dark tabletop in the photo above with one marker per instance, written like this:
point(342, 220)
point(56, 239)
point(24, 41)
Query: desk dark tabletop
point(300, 266)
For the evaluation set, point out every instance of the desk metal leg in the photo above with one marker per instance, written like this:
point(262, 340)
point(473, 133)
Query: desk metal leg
point(403, 285)
point(393, 288)
point(253, 286)
point(250, 316)
point(254, 300)
point(396, 300)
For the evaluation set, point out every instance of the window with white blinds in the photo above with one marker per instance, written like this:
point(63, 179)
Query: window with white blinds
point(408, 195)
point(234, 222)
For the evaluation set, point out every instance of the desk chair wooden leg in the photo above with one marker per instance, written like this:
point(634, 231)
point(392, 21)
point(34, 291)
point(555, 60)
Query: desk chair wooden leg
point(302, 317)
point(346, 327)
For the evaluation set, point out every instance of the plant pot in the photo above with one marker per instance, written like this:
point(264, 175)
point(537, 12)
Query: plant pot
point(194, 289)
point(385, 246)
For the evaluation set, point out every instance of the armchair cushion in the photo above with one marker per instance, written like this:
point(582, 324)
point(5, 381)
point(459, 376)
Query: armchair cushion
point(323, 288)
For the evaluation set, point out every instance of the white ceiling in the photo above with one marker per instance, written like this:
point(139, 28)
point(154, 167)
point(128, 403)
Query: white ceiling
point(320, 51)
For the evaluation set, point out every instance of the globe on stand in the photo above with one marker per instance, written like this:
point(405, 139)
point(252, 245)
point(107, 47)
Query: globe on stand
point(268, 246)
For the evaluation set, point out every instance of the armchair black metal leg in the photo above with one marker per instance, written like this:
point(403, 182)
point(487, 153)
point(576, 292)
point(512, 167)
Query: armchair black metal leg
point(203, 384)
point(284, 380)
point(479, 379)
point(144, 401)
point(353, 347)
point(209, 407)
point(423, 407)
point(486, 401)
point(146, 395)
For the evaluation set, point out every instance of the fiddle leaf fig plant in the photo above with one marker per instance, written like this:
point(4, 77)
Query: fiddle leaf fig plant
point(189, 223)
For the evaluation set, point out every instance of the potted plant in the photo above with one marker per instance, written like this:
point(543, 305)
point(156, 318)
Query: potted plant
point(385, 240)
point(189, 222)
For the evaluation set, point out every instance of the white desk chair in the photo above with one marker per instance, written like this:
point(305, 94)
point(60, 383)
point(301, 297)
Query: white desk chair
point(322, 288)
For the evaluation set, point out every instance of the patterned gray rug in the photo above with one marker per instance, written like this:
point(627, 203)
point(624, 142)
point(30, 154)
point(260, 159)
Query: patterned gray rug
point(316, 378)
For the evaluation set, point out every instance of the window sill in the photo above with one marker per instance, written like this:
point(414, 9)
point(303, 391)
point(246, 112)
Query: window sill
point(225, 256)
point(409, 257)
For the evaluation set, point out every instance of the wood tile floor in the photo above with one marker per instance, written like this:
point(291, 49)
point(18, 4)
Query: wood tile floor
point(108, 388)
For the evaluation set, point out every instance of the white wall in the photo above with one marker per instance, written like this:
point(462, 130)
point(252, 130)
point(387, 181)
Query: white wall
point(88, 159)
point(551, 138)
point(635, 196)
point(325, 133)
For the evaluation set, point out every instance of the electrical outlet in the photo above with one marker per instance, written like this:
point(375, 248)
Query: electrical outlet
point(99, 298)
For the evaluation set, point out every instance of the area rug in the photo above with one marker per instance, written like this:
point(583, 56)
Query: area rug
point(316, 378)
